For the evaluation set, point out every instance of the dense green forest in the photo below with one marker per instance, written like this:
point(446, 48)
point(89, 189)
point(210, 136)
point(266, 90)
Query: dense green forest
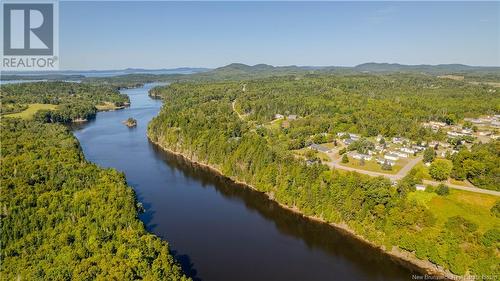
point(228, 125)
point(480, 165)
point(73, 100)
point(64, 218)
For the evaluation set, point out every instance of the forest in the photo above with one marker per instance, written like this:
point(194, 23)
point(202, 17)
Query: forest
point(229, 126)
point(64, 218)
point(73, 100)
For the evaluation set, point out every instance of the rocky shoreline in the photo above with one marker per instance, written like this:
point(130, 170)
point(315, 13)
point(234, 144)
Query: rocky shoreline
point(429, 270)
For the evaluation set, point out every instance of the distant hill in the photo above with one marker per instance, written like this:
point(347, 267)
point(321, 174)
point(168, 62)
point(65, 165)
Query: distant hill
point(239, 71)
point(239, 68)
point(424, 68)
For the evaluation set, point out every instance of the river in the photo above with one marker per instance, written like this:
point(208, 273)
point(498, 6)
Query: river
point(219, 230)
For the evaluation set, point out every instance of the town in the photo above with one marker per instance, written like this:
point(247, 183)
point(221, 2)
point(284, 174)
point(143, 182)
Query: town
point(395, 157)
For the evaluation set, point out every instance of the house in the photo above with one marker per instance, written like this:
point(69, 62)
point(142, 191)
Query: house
point(438, 124)
point(433, 143)
point(420, 187)
point(407, 150)
point(360, 156)
point(320, 148)
point(349, 141)
point(278, 116)
point(391, 156)
point(400, 154)
point(418, 148)
point(383, 161)
point(434, 125)
point(311, 162)
point(354, 136)
point(467, 132)
point(292, 117)
point(399, 140)
point(341, 134)
point(379, 138)
point(454, 134)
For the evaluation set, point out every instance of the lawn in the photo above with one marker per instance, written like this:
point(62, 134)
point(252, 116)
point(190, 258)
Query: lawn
point(472, 206)
point(373, 166)
point(301, 153)
point(31, 110)
point(107, 106)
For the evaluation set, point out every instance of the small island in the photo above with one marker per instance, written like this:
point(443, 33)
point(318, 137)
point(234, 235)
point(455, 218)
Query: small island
point(130, 122)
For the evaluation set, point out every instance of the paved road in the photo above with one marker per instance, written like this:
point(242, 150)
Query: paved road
point(467, 188)
point(335, 163)
point(401, 173)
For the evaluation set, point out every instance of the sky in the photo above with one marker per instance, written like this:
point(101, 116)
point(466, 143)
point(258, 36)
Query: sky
point(117, 35)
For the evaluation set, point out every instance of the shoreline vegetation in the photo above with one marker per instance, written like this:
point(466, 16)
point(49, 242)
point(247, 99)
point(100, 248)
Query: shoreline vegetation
point(405, 258)
point(65, 218)
point(63, 102)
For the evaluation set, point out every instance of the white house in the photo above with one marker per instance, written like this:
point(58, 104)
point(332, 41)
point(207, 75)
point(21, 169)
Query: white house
point(400, 154)
point(420, 187)
point(278, 116)
point(407, 150)
point(354, 136)
point(418, 147)
point(467, 132)
point(292, 117)
point(348, 141)
point(360, 156)
point(454, 134)
point(382, 161)
point(391, 156)
point(398, 140)
point(320, 148)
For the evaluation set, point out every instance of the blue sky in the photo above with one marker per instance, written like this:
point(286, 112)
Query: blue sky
point(115, 35)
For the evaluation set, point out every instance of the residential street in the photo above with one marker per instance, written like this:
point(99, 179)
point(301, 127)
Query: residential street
point(335, 163)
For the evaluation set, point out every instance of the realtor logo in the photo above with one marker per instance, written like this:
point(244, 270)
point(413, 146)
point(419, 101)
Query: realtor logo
point(30, 35)
point(28, 29)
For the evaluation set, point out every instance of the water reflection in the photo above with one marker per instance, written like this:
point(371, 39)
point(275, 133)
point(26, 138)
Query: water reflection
point(315, 234)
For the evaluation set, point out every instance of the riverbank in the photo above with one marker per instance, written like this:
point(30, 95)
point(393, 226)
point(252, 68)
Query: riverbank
point(405, 258)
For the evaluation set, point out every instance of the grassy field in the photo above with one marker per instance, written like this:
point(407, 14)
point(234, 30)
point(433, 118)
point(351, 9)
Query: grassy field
point(107, 106)
point(31, 110)
point(373, 166)
point(301, 153)
point(472, 206)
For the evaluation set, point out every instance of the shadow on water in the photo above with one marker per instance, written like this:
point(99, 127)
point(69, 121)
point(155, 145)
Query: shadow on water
point(186, 265)
point(147, 217)
point(315, 234)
